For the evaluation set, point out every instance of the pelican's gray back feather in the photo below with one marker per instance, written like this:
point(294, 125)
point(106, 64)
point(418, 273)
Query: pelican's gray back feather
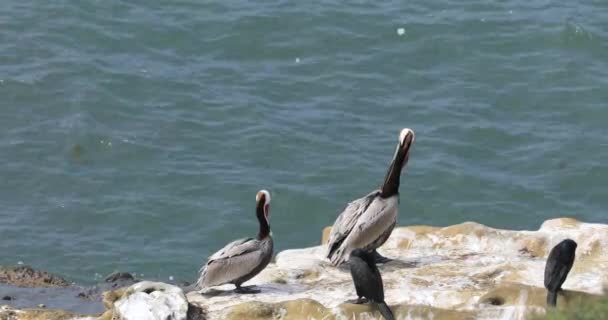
point(346, 221)
point(367, 228)
point(236, 263)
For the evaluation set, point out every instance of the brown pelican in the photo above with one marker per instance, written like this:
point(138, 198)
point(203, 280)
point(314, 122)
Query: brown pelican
point(242, 259)
point(366, 223)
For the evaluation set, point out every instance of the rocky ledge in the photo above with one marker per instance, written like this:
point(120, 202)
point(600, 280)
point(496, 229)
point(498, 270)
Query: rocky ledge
point(26, 276)
point(465, 271)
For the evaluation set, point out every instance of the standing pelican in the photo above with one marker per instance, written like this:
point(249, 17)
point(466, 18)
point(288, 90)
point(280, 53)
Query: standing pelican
point(366, 223)
point(242, 259)
point(559, 263)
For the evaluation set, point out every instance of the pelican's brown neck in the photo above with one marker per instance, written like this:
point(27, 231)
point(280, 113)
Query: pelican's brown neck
point(261, 208)
point(390, 187)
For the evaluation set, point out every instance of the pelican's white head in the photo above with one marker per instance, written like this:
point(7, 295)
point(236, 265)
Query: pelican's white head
point(263, 196)
point(406, 136)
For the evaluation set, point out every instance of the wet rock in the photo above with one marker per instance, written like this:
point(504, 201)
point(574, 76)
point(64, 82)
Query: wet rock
point(8, 313)
point(111, 283)
point(151, 301)
point(62, 298)
point(196, 312)
point(119, 276)
point(89, 294)
point(26, 276)
point(118, 280)
point(109, 297)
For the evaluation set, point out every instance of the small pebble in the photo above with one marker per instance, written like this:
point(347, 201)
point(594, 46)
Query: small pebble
point(400, 31)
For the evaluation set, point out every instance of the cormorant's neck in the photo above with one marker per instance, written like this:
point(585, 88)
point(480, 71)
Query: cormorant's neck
point(370, 260)
point(264, 227)
point(390, 187)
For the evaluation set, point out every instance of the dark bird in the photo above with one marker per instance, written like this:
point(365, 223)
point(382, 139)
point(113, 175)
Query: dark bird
point(368, 281)
point(558, 265)
point(367, 222)
point(242, 259)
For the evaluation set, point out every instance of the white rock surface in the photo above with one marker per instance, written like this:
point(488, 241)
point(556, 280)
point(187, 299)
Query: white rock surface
point(474, 270)
point(148, 300)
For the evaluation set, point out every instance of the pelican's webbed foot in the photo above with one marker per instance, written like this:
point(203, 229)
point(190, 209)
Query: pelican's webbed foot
point(380, 258)
point(246, 290)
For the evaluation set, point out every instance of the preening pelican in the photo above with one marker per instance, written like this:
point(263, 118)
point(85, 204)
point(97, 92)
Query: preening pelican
point(242, 259)
point(366, 223)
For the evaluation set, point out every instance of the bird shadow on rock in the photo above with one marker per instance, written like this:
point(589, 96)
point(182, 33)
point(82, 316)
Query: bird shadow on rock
point(398, 264)
point(221, 293)
point(390, 265)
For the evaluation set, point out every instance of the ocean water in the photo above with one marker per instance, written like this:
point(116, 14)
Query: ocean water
point(134, 135)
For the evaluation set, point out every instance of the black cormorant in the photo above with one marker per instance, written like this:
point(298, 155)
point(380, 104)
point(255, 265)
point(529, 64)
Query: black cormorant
point(558, 265)
point(368, 281)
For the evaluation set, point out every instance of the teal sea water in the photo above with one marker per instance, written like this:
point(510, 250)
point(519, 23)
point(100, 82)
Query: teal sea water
point(134, 135)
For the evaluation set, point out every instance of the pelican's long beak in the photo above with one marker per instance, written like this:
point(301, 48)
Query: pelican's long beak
point(402, 154)
point(406, 139)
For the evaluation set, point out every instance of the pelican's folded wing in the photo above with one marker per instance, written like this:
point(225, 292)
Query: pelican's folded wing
point(346, 221)
point(235, 260)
